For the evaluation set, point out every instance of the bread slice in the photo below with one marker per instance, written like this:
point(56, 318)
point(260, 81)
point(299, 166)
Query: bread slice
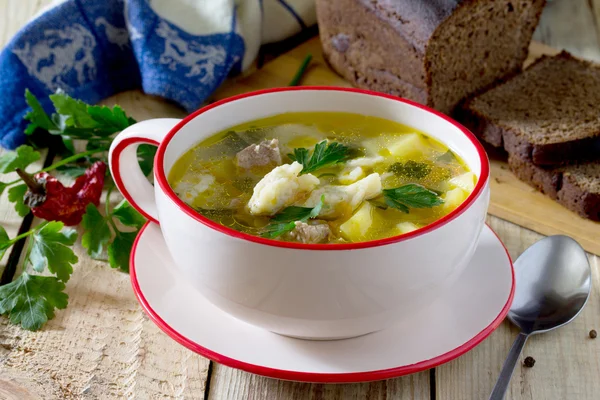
point(576, 187)
point(434, 52)
point(549, 114)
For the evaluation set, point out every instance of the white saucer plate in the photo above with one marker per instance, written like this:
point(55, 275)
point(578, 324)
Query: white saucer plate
point(451, 326)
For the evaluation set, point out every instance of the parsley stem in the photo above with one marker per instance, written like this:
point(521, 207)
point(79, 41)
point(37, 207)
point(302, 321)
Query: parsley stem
point(301, 71)
point(62, 162)
point(107, 209)
point(72, 158)
point(25, 234)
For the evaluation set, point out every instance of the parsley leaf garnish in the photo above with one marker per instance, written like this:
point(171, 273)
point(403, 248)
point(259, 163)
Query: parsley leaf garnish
point(411, 169)
point(30, 300)
point(37, 116)
point(128, 215)
point(285, 221)
point(119, 251)
point(50, 248)
point(21, 158)
point(96, 231)
point(15, 196)
point(411, 196)
point(324, 155)
point(102, 234)
point(5, 242)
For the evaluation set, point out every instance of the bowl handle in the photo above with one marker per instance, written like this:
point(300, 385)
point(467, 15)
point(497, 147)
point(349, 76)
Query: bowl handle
point(124, 166)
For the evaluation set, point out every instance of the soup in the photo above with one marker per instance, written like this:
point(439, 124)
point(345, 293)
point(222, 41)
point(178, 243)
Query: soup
point(322, 177)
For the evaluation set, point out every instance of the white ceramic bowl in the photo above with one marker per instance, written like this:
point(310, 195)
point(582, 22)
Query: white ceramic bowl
point(317, 291)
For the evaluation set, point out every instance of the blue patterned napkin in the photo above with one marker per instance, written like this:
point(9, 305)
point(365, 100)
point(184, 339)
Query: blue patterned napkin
point(178, 49)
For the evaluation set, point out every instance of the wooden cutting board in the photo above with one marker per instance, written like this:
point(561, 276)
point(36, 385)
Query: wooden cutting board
point(511, 199)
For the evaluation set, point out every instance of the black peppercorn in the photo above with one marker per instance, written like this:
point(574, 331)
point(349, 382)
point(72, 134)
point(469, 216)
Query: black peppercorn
point(529, 362)
point(593, 334)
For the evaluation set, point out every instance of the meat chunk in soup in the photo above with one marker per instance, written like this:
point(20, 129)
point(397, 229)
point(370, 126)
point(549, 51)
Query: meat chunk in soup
point(281, 188)
point(311, 233)
point(259, 155)
point(343, 200)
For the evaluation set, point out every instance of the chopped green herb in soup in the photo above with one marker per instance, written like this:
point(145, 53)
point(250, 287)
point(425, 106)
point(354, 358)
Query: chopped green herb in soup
point(322, 177)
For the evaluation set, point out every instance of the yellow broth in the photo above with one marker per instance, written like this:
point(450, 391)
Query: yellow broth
point(207, 178)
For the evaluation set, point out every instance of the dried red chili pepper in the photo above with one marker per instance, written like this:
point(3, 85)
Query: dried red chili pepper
point(51, 200)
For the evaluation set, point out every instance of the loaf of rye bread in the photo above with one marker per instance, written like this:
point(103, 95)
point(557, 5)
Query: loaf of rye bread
point(436, 52)
point(548, 115)
point(576, 187)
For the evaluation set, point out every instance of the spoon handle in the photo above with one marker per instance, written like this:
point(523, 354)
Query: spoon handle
point(508, 367)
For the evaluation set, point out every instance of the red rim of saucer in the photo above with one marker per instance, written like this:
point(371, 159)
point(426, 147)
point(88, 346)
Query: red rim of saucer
point(161, 179)
point(314, 377)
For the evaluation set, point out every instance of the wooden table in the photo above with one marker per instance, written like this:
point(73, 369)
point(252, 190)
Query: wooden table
point(103, 346)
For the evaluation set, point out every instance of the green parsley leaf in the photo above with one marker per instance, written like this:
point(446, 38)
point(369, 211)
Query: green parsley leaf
point(128, 215)
point(275, 230)
point(146, 153)
point(110, 119)
point(77, 120)
point(51, 248)
point(411, 169)
point(37, 116)
point(292, 214)
point(30, 300)
point(411, 195)
point(300, 155)
point(2, 187)
point(15, 196)
point(4, 242)
point(119, 250)
point(75, 112)
point(20, 158)
point(96, 231)
point(72, 171)
point(324, 155)
point(285, 221)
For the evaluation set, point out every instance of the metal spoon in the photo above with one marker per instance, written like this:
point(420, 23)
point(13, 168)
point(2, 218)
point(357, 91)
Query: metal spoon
point(553, 283)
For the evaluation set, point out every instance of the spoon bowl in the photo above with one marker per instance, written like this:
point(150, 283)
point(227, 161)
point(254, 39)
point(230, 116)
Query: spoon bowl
point(554, 282)
point(553, 285)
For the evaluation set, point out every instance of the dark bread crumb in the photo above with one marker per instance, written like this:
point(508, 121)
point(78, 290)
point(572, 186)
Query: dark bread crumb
point(549, 114)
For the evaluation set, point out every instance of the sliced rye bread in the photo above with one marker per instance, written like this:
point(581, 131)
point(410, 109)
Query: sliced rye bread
point(576, 187)
point(549, 114)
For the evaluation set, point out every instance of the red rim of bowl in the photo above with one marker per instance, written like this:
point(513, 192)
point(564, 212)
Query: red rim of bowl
point(164, 184)
point(315, 377)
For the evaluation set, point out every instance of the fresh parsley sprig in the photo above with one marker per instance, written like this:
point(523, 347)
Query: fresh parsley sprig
point(411, 196)
point(285, 221)
point(102, 235)
point(76, 120)
point(30, 300)
point(324, 155)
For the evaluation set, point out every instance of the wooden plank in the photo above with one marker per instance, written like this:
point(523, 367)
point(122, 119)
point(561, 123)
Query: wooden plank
point(570, 25)
point(566, 359)
point(227, 383)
